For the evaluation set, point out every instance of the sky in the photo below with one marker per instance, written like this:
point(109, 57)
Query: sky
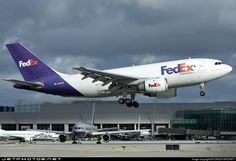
point(107, 34)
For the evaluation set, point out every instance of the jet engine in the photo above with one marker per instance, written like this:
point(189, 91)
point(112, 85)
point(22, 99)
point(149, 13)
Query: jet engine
point(153, 86)
point(62, 138)
point(106, 137)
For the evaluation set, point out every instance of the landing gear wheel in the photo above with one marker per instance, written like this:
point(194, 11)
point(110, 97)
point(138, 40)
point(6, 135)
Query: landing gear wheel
point(135, 104)
point(74, 142)
point(121, 100)
point(202, 93)
point(128, 102)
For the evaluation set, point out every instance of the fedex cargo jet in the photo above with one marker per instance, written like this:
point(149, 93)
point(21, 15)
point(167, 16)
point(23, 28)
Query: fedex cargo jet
point(159, 80)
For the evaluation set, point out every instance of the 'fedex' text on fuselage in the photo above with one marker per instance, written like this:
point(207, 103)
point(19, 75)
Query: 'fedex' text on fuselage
point(181, 68)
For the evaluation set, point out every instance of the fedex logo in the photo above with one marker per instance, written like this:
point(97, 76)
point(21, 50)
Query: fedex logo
point(28, 63)
point(181, 68)
point(156, 84)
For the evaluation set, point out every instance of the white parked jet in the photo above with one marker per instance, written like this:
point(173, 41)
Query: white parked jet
point(154, 80)
point(82, 130)
point(27, 135)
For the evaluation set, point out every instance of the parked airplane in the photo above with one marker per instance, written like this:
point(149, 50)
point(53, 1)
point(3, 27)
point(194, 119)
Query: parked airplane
point(81, 130)
point(154, 80)
point(27, 135)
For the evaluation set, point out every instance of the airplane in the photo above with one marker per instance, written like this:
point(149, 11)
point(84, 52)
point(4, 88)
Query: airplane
point(23, 136)
point(159, 80)
point(82, 130)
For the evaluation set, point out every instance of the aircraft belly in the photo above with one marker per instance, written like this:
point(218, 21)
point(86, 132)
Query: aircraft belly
point(182, 80)
point(88, 90)
point(93, 90)
point(97, 90)
point(85, 87)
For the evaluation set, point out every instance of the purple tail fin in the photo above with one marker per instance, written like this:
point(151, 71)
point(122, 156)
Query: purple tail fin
point(31, 68)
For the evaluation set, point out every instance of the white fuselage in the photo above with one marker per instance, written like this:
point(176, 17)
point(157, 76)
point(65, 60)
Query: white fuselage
point(178, 73)
point(83, 128)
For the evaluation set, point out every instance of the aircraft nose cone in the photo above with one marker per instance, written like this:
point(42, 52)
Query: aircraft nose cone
point(228, 68)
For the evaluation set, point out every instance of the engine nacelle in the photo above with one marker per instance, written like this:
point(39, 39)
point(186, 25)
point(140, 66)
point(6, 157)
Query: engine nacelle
point(62, 138)
point(153, 86)
point(106, 137)
point(170, 93)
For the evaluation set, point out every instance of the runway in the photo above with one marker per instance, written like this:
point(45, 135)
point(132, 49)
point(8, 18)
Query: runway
point(120, 149)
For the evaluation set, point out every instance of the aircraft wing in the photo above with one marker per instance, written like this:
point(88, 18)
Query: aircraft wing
point(117, 132)
point(49, 131)
point(117, 80)
point(3, 136)
point(35, 85)
point(108, 129)
point(11, 137)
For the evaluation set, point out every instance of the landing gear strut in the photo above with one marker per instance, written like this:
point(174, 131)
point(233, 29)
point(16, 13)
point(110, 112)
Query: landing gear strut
point(129, 102)
point(202, 92)
point(74, 140)
point(99, 140)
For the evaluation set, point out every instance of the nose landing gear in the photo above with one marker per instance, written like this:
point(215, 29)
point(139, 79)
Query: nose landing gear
point(202, 92)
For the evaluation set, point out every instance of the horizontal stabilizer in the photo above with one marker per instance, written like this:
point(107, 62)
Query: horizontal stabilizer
point(35, 85)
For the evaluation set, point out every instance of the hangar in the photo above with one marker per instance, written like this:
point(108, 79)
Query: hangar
point(62, 116)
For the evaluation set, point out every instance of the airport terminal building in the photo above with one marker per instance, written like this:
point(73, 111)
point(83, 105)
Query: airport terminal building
point(62, 116)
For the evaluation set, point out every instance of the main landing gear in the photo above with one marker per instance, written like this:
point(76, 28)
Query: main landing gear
point(129, 102)
point(74, 140)
point(99, 140)
point(202, 92)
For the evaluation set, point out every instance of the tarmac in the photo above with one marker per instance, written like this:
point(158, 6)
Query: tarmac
point(136, 149)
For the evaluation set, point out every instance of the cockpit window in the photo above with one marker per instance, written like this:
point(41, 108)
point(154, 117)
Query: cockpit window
point(218, 63)
point(78, 128)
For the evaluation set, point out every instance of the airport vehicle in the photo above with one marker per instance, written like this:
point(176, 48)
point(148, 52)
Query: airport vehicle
point(27, 135)
point(82, 130)
point(159, 80)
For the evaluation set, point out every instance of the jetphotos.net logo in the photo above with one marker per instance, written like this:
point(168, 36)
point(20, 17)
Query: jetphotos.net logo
point(181, 68)
point(30, 62)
